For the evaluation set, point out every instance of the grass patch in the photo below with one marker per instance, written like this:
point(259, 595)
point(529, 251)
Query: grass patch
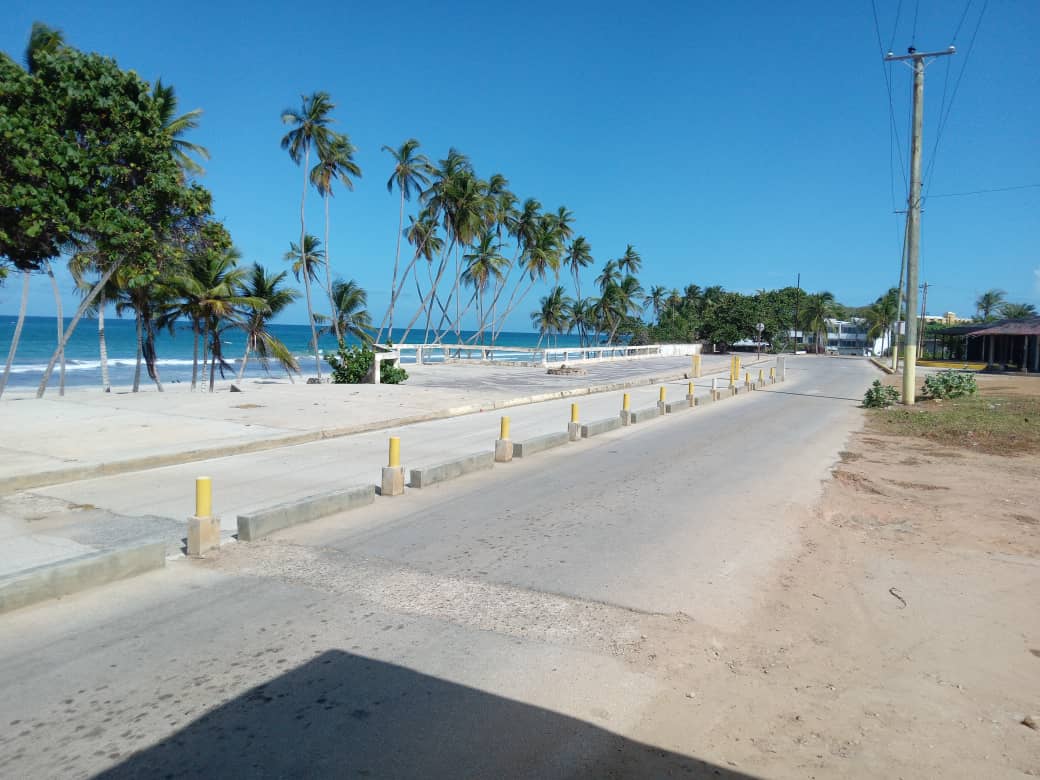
point(1000, 425)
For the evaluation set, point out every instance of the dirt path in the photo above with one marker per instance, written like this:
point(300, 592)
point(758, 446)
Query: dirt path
point(903, 640)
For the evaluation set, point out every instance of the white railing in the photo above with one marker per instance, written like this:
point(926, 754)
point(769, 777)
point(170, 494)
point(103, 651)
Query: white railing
point(531, 356)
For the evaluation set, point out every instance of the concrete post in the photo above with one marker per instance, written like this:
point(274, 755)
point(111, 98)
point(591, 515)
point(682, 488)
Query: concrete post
point(503, 446)
point(203, 528)
point(626, 410)
point(393, 472)
point(714, 388)
point(662, 406)
point(574, 426)
point(689, 393)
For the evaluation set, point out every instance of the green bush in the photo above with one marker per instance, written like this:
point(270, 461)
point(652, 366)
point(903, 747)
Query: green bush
point(350, 366)
point(880, 396)
point(950, 384)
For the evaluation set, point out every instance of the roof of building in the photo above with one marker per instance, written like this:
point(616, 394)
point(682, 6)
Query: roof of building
point(1027, 326)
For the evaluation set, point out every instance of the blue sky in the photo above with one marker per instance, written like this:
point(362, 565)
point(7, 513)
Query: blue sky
point(733, 143)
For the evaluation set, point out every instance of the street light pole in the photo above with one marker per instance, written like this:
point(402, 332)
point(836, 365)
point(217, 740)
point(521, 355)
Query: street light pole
point(760, 327)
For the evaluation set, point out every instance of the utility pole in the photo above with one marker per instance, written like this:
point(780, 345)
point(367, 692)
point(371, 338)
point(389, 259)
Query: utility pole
point(899, 306)
point(913, 217)
point(797, 307)
point(924, 312)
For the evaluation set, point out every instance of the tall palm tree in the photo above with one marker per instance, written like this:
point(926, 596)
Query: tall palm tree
point(627, 301)
point(819, 307)
point(88, 262)
point(581, 317)
point(630, 262)
point(609, 276)
point(656, 299)
point(989, 302)
point(1017, 311)
point(881, 315)
point(335, 161)
point(578, 257)
point(349, 300)
point(271, 297)
point(310, 128)
point(182, 151)
point(305, 265)
point(411, 175)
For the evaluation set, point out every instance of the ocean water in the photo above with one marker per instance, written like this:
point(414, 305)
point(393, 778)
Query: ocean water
point(83, 363)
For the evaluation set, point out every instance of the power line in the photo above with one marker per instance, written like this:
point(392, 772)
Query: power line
point(895, 25)
point(983, 192)
point(960, 24)
point(943, 120)
point(893, 126)
point(913, 35)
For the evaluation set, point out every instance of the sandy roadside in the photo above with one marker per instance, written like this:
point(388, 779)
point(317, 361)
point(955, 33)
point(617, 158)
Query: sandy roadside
point(902, 640)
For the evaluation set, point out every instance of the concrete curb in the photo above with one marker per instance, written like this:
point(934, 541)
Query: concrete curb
point(597, 427)
point(644, 414)
point(55, 580)
point(523, 449)
point(451, 469)
point(677, 406)
point(77, 473)
point(882, 366)
point(264, 522)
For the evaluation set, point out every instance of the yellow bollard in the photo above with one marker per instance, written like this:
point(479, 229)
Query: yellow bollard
point(504, 429)
point(625, 403)
point(747, 379)
point(660, 395)
point(574, 413)
point(772, 372)
point(203, 497)
point(761, 378)
point(689, 388)
point(395, 452)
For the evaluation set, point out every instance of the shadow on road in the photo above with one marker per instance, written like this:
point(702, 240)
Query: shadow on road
point(811, 395)
point(343, 715)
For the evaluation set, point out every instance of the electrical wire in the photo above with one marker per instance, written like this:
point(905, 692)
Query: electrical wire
point(967, 7)
point(893, 126)
point(985, 192)
point(913, 35)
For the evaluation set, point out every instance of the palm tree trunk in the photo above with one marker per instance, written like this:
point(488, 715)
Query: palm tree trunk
point(328, 277)
point(83, 306)
point(103, 345)
point(214, 351)
point(61, 328)
point(393, 281)
point(425, 305)
point(150, 355)
point(17, 331)
point(140, 342)
point(194, 352)
point(310, 316)
point(245, 357)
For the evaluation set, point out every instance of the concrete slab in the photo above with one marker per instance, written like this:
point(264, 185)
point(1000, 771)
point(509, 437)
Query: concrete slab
point(429, 475)
point(644, 414)
point(266, 521)
point(677, 406)
point(31, 586)
point(522, 449)
point(597, 427)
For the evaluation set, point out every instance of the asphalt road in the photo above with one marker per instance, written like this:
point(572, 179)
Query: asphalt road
point(526, 622)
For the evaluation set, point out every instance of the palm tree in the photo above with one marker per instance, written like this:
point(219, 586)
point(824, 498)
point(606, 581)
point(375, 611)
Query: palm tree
point(656, 299)
point(989, 302)
point(349, 300)
point(84, 262)
point(630, 262)
point(609, 276)
point(627, 300)
point(881, 315)
point(483, 264)
point(819, 307)
point(176, 126)
point(305, 265)
point(578, 257)
point(581, 317)
point(271, 298)
point(410, 174)
point(335, 161)
point(1017, 311)
point(553, 314)
point(310, 128)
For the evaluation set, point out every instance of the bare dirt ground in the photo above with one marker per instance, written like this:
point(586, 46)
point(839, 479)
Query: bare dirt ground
point(903, 640)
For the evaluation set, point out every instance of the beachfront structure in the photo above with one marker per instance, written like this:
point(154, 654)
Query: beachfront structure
point(1001, 345)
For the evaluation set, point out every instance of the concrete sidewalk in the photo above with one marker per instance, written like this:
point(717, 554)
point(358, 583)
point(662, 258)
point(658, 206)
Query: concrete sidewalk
point(89, 433)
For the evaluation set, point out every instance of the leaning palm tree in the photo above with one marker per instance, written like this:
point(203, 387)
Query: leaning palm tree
point(1017, 311)
point(553, 313)
point(305, 265)
point(410, 174)
point(335, 161)
point(989, 302)
point(182, 151)
point(656, 299)
point(483, 265)
point(349, 301)
point(83, 263)
point(265, 288)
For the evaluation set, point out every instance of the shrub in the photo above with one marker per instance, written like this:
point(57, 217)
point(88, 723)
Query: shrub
point(350, 365)
point(880, 396)
point(950, 384)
